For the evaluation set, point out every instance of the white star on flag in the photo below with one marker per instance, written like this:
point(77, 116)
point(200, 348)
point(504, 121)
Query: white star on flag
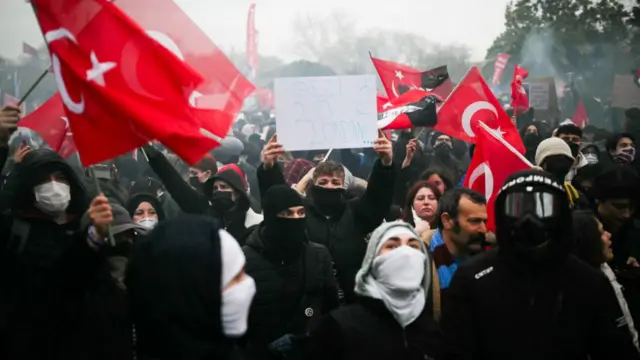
point(399, 75)
point(498, 132)
point(96, 73)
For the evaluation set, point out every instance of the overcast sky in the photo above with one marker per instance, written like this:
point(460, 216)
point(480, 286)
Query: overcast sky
point(470, 22)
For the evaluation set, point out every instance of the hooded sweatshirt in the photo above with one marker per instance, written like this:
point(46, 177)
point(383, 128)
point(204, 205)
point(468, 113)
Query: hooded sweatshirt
point(45, 266)
point(174, 281)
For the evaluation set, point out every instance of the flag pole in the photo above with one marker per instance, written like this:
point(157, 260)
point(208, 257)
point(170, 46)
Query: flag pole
point(112, 240)
point(33, 86)
point(506, 144)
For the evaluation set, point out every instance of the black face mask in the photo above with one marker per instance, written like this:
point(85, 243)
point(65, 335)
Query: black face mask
point(195, 182)
point(575, 148)
point(558, 166)
point(531, 140)
point(442, 151)
point(286, 237)
point(330, 202)
point(222, 201)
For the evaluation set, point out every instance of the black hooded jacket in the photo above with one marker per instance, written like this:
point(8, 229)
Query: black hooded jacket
point(45, 267)
point(511, 304)
point(238, 223)
point(345, 235)
point(290, 297)
point(174, 284)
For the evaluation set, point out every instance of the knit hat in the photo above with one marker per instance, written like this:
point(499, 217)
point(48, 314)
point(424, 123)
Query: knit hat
point(552, 146)
point(279, 198)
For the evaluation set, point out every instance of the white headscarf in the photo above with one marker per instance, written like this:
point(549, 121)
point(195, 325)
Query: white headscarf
point(399, 278)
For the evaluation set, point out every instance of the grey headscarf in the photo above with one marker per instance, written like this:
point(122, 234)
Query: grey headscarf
point(364, 276)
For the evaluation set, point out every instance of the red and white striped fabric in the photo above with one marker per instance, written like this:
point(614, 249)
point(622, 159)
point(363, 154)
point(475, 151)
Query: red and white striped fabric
point(498, 67)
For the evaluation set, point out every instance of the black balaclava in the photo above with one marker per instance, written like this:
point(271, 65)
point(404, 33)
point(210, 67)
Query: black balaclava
point(329, 202)
point(533, 220)
point(284, 238)
point(558, 165)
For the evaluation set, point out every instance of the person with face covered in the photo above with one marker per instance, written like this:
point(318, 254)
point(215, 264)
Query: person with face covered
point(443, 157)
point(622, 149)
point(223, 196)
point(200, 172)
point(390, 319)
point(531, 138)
point(530, 293)
point(188, 292)
point(145, 210)
point(460, 229)
point(294, 279)
point(555, 156)
point(340, 224)
point(572, 135)
point(45, 261)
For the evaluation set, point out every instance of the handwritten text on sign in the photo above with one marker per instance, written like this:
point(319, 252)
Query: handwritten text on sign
point(327, 112)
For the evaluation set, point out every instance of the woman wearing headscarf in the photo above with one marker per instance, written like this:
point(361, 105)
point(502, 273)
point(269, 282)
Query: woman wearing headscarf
point(145, 210)
point(389, 320)
point(188, 292)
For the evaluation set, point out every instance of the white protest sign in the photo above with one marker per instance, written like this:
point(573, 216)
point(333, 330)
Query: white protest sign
point(539, 95)
point(326, 112)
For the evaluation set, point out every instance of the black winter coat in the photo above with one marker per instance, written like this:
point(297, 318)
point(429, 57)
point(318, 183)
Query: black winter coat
point(496, 311)
point(290, 297)
point(345, 235)
point(55, 301)
point(367, 330)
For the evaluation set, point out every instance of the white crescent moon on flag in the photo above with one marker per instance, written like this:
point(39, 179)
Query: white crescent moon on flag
point(468, 113)
point(393, 88)
point(51, 36)
point(483, 169)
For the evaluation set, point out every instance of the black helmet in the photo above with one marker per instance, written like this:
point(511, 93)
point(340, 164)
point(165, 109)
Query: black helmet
point(533, 218)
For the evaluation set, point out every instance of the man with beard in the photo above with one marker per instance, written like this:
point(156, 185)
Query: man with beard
point(461, 226)
point(530, 293)
point(555, 156)
point(294, 278)
point(338, 224)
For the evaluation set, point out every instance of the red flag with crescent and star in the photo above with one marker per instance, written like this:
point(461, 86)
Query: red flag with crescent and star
point(225, 88)
point(398, 78)
point(472, 101)
point(492, 163)
point(52, 128)
point(120, 88)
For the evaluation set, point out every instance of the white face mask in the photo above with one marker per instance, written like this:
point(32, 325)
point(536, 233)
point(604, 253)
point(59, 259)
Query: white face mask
point(397, 277)
point(236, 301)
point(148, 223)
point(400, 270)
point(52, 197)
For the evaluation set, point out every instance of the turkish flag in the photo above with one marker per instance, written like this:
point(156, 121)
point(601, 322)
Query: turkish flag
point(580, 116)
point(472, 101)
point(492, 163)
point(52, 128)
point(120, 88)
point(224, 89)
point(398, 79)
point(519, 98)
